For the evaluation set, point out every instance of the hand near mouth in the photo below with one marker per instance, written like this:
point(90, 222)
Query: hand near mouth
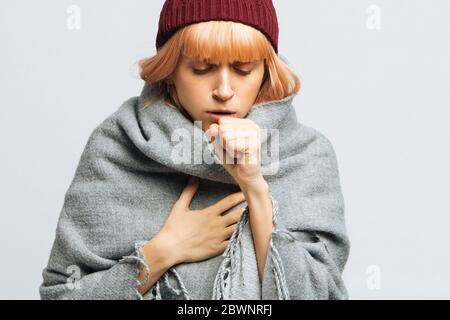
point(237, 143)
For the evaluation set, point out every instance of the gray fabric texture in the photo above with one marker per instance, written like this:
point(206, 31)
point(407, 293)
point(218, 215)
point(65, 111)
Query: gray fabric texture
point(127, 181)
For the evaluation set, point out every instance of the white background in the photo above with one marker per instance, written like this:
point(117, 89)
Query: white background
point(380, 95)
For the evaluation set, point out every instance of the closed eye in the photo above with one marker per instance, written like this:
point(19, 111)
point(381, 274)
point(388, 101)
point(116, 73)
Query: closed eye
point(202, 71)
point(243, 71)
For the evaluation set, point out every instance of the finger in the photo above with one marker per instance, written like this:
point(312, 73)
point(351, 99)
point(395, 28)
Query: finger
point(229, 231)
point(233, 148)
point(212, 132)
point(238, 147)
point(188, 192)
point(218, 145)
point(227, 134)
point(251, 156)
point(227, 203)
point(223, 246)
point(213, 137)
point(233, 216)
point(227, 152)
point(223, 120)
point(238, 140)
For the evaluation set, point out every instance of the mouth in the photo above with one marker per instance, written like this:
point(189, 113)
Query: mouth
point(220, 114)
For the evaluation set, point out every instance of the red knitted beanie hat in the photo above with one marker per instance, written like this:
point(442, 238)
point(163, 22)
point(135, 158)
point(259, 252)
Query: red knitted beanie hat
point(259, 14)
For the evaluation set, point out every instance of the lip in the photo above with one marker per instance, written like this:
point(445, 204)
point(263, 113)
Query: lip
point(217, 116)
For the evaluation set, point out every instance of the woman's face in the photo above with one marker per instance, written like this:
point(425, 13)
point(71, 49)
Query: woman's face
point(203, 88)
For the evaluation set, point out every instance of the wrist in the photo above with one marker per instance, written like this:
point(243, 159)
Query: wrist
point(162, 248)
point(255, 186)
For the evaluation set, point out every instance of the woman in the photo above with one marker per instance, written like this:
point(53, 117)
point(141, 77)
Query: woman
point(247, 225)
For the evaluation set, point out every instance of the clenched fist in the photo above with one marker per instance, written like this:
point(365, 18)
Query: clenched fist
point(237, 143)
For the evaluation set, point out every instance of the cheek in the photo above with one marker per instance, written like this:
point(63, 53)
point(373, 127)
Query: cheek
point(249, 90)
point(191, 95)
point(253, 83)
point(190, 90)
point(194, 87)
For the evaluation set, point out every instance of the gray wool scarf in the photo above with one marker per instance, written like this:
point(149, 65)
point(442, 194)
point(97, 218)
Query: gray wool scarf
point(133, 169)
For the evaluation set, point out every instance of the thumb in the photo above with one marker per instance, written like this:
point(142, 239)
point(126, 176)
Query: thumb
point(189, 191)
point(212, 132)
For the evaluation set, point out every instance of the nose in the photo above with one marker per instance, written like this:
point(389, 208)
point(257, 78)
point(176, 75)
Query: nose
point(223, 90)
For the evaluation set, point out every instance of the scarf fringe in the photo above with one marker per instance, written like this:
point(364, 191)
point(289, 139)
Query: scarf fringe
point(280, 278)
point(141, 263)
point(229, 264)
point(165, 278)
point(278, 270)
point(156, 289)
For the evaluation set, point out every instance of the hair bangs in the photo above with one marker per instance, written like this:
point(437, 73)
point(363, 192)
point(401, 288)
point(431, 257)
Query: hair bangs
point(224, 41)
